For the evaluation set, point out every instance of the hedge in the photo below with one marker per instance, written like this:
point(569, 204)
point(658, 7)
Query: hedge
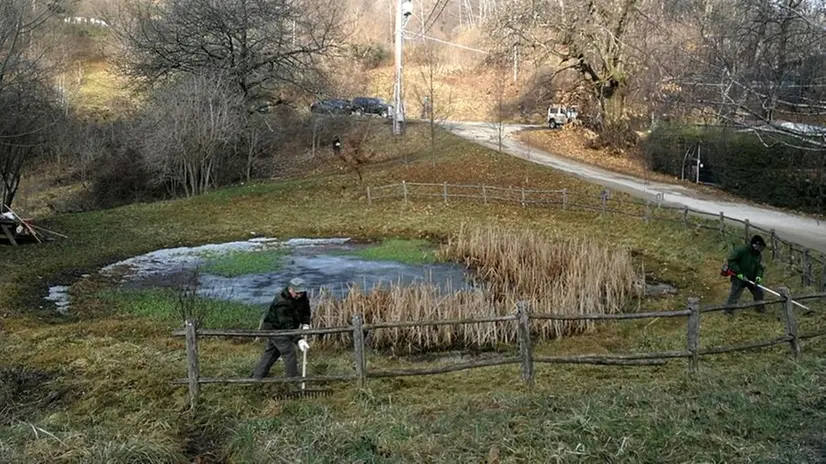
point(740, 163)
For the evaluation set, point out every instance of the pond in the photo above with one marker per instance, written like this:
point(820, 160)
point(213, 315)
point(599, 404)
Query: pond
point(254, 271)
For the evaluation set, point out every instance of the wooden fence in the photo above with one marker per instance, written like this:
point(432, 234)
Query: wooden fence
point(525, 357)
point(811, 264)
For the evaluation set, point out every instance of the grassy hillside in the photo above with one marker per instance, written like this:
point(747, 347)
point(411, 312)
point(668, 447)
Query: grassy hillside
point(95, 386)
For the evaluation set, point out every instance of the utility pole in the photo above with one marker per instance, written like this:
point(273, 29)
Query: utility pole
point(404, 8)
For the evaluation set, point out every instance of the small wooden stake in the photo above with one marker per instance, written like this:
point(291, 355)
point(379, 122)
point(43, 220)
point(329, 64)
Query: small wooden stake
point(523, 330)
point(685, 215)
point(791, 254)
point(358, 348)
point(647, 216)
point(564, 199)
point(791, 323)
point(823, 276)
point(722, 223)
point(748, 231)
point(484, 194)
point(192, 368)
point(775, 247)
point(806, 275)
point(523, 196)
point(404, 190)
point(369, 198)
point(444, 192)
point(693, 342)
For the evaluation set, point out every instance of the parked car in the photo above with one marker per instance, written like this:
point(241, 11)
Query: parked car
point(369, 105)
point(332, 106)
point(558, 116)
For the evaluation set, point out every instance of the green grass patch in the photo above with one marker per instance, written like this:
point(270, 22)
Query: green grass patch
point(412, 252)
point(161, 305)
point(238, 263)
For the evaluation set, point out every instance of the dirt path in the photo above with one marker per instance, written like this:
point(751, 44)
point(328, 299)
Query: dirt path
point(802, 229)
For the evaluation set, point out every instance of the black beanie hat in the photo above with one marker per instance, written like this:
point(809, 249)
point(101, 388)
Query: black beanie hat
point(758, 240)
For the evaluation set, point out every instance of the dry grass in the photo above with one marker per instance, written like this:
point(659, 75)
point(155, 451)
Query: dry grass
point(554, 275)
point(574, 142)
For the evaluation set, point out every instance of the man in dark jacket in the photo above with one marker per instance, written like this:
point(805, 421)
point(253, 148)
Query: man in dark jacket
point(289, 310)
point(745, 262)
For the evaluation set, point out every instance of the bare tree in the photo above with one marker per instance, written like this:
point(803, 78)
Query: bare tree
point(262, 46)
point(26, 97)
point(499, 111)
point(436, 100)
point(252, 144)
point(598, 39)
point(761, 67)
point(189, 129)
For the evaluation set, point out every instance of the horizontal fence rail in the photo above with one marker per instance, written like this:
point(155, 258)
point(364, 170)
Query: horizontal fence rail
point(525, 359)
point(811, 264)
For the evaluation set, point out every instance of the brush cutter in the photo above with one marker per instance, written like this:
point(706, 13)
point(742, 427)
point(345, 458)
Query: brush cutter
point(727, 272)
point(305, 392)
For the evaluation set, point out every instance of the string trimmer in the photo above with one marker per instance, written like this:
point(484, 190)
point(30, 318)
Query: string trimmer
point(727, 272)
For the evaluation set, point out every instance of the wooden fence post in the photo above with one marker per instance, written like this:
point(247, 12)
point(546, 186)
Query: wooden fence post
point(660, 197)
point(791, 254)
point(693, 343)
point(791, 323)
point(647, 217)
point(404, 190)
point(369, 197)
point(806, 276)
point(604, 197)
point(722, 223)
point(192, 368)
point(444, 191)
point(358, 349)
point(564, 199)
point(685, 215)
point(748, 231)
point(775, 248)
point(484, 194)
point(523, 196)
point(523, 330)
point(823, 276)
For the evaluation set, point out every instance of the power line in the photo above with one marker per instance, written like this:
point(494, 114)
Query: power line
point(425, 27)
point(426, 37)
point(724, 84)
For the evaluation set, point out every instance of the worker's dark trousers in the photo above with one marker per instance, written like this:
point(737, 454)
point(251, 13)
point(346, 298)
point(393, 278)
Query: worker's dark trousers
point(737, 287)
point(277, 347)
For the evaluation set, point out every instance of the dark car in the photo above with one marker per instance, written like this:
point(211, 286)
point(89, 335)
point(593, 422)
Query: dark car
point(368, 105)
point(331, 106)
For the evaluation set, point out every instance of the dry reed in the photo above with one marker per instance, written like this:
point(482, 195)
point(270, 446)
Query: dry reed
point(420, 302)
point(556, 275)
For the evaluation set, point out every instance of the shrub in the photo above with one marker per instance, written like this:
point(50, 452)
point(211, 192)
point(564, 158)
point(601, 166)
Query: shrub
point(370, 55)
point(741, 163)
point(121, 178)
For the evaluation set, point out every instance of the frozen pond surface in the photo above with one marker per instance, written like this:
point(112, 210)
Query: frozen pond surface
point(322, 263)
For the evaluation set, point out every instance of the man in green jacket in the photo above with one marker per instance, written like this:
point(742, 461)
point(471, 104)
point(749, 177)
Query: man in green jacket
point(290, 310)
point(745, 262)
